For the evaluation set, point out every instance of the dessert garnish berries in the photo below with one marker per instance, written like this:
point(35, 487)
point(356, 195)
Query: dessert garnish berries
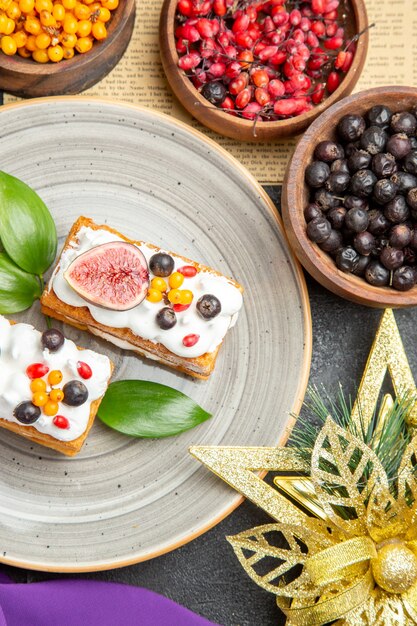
point(190, 340)
point(166, 318)
point(45, 400)
point(75, 393)
point(170, 290)
point(208, 306)
point(27, 413)
point(52, 339)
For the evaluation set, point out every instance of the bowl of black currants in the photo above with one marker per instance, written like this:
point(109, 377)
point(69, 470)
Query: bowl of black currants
point(350, 198)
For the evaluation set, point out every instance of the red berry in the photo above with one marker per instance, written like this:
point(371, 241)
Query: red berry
point(228, 104)
point(260, 78)
point(180, 307)
point(217, 70)
point(245, 57)
point(243, 98)
point(318, 6)
point(185, 7)
point(318, 28)
point(37, 370)
point(241, 23)
point(285, 107)
point(187, 270)
point(333, 82)
point(267, 52)
point(348, 62)
point(233, 69)
point(190, 340)
point(262, 96)
point(295, 17)
point(318, 94)
point(244, 40)
point(251, 110)
point(204, 27)
point(189, 61)
point(84, 370)
point(276, 88)
point(219, 7)
point(61, 422)
point(333, 43)
point(237, 85)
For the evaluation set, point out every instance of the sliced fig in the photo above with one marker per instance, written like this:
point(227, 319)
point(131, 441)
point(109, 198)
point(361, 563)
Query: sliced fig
point(114, 276)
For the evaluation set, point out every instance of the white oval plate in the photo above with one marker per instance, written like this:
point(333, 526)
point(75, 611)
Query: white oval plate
point(123, 500)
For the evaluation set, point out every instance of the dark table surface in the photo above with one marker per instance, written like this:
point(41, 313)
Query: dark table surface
point(204, 575)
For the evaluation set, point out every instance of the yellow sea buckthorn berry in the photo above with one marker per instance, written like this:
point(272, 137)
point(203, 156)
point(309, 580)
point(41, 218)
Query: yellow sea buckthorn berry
point(104, 14)
point(13, 11)
point(55, 53)
point(20, 38)
point(33, 25)
point(84, 28)
point(186, 296)
point(26, 6)
point(47, 19)
point(54, 377)
point(8, 45)
point(159, 284)
point(84, 44)
point(56, 395)
point(31, 43)
point(111, 5)
point(24, 53)
point(70, 24)
point(42, 41)
point(68, 40)
point(82, 11)
point(58, 12)
point(3, 22)
point(174, 296)
point(175, 280)
point(9, 27)
point(68, 53)
point(69, 4)
point(40, 56)
point(40, 398)
point(51, 408)
point(37, 384)
point(43, 5)
point(154, 295)
point(99, 31)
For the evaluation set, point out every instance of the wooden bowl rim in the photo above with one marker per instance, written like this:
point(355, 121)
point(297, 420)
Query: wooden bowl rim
point(29, 67)
point(169, 55)
point(317, 262)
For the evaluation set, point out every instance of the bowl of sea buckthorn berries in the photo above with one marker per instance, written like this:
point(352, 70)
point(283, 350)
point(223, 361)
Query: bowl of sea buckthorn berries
point(51, 47)
point(257, 70)
point(349, 198)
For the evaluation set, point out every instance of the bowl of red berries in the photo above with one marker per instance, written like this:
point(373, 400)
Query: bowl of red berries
point(51, 47)
point(259, 70)
point(349, 198)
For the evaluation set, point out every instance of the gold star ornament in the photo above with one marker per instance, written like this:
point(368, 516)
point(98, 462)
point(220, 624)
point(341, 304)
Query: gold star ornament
point(348, 551)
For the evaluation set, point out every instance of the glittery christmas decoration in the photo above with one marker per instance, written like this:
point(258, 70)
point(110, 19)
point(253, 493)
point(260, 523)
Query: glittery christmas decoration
point(350, 553)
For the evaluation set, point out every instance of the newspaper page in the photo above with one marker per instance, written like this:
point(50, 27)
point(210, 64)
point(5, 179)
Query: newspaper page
point(139, 78)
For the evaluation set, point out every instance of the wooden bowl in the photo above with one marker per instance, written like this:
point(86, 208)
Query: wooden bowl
point(295, 197)
point(238, 128)
point(26, 78)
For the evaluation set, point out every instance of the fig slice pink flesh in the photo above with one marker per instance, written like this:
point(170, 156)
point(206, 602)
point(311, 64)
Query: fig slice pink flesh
point(114, 276)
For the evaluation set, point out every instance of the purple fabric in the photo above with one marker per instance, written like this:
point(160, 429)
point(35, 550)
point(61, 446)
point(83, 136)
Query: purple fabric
point(88, 603)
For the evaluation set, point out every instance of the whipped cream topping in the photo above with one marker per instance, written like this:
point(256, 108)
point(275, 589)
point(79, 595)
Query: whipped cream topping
point(20, 346)
point(141, 320)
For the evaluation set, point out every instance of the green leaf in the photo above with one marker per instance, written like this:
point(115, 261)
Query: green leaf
point(18, 289)
point(27, 229)
point(143, 409)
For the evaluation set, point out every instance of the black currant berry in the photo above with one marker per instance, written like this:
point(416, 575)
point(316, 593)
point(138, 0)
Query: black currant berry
point(374, 139)
point(379, 115)
point(161, 264)
point(391, 258)
point(347, 259)
point(166, 318)
point(376, 274)
point(27, 413)
point(214, 91)
point(384, 164)
point(209, 306)
point(52, 339)
point(351, 127)
point(403, 278)
point(362, 183)
point(403, 122)
point(328, 151)
point(317, 173)
point(75, 393)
